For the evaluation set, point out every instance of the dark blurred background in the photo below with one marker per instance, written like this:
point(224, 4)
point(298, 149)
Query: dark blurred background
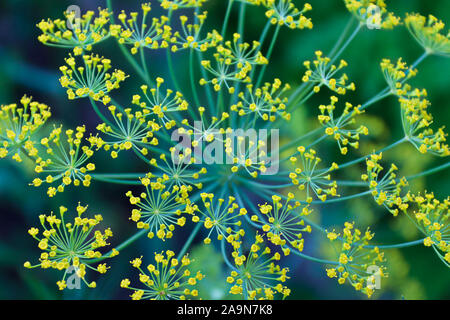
point(28, 67)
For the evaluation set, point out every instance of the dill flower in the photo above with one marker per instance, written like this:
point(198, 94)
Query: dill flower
point(284, 12)
point(131, 130)
point(177, 171)
point(282, 224)
point(243, 54)
point(396, 75)
point(356, 260)
point(181, 4)
point(432, 218)
point(140, 33)
point(416, 123)
point(257, 275)
point(307, 177)
point(90, 80)
point(65, 159)
point(322, 73)
point(386, 190)
point(266, 102)
point(160, 103)
point(336, 127)
point(88, 30)
point(244, 154)
point(160, 207)
point(206, 130)
point(190, 35)
point(219, 216)
point(18, 126)
point(74, 244)
point(428, 33)
point(364, 11)
point(232, 64)
point(168, 279)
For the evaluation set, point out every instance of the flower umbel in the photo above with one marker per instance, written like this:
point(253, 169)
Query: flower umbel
point(71, 244)
point(169, 279)
point(160, 207)
point(386, 190)
point(65, 160)
point(92, 79)
point(356, 261)
point(283, 225)
point(257, 274)
point(324, 73)
point(19, 125)
point(433, 220)
point(428, 33)
point(86, 31)
point(307, 177)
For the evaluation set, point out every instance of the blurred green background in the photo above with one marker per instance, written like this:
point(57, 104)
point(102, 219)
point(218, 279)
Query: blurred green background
point(29, 67)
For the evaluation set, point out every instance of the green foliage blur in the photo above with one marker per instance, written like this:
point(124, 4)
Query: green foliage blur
point(28, 67)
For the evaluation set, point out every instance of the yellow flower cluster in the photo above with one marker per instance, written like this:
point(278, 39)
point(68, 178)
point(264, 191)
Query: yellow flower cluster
point(65, 159)
point(177, 171)
point(233, 62)
point(190, 35)
point(308, 177)
point(18, 126)
point(168, 279)
point(243, 54)
point(160, 104)
point(284, 12)
point(140, 34)
point(90, 80)
point(71, 246)
point(131, 131)
point(433, 220)
point(257, 275)
point(160, 207)
point(181, 4)
point(83, 34)
point(322, 73)
point(386, 190)
point(337, 127)
point(416, 121)
point(357, 264)
point(266, 103)
point(283, 224)
point(396, 75)
point(219, 216)
point(372, 12)
point(428, 33)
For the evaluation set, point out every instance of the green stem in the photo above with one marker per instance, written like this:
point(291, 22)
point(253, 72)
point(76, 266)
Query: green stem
point(397, 246)
point(189, 240)
point(341, 37)
point(347, 164)
point(269, 54)
point(297, 140)
point(144, 65)
point(307, 257)
point(192, 78)
point(119, 175)
point(227, 17)
point(116, 181)
point(100, 115)
point(346, 44)
point(430, 171)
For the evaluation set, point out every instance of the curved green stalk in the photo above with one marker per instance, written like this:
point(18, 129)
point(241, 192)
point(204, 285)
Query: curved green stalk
point(189, 240)
point(269, 54)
